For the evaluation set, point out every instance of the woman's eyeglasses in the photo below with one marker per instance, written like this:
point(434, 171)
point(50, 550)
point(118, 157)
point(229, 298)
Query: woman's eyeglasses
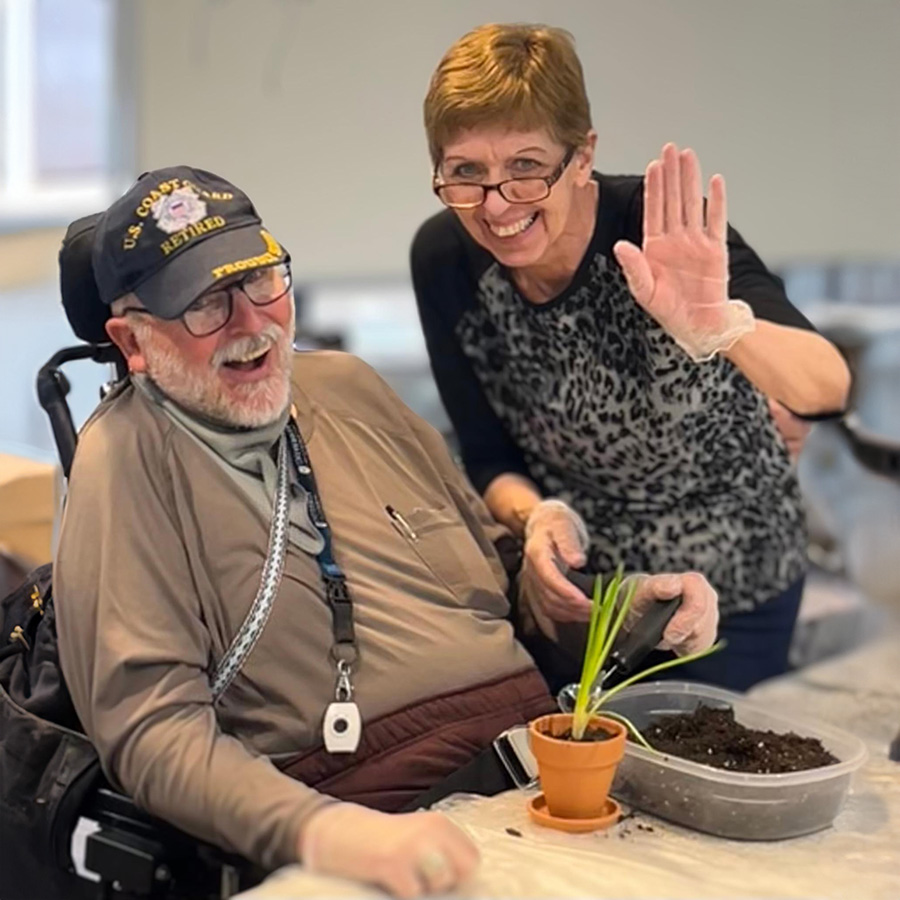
point(469, 195)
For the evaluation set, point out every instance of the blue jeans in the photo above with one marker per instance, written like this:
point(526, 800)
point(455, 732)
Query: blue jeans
point(757, 648)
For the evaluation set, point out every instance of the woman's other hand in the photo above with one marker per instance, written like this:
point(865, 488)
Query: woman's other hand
point(794, 430)
point(555, 540)
point(693, 628)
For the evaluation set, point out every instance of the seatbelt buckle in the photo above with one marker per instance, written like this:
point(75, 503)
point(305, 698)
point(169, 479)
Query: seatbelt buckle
point(511, 747)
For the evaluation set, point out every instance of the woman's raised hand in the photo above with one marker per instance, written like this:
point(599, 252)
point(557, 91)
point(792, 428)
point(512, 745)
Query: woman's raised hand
point(680, 276)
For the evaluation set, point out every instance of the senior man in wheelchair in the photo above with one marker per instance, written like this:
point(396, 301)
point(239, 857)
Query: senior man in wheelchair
point(283, 618)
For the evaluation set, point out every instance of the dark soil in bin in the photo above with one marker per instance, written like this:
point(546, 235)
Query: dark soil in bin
point(713, 737)
point(731, 809)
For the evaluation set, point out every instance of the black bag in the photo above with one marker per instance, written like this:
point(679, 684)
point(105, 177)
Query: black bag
point(48, 766)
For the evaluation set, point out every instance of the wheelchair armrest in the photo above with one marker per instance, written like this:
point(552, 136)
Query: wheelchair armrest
point(142, 856)
point(108, 807)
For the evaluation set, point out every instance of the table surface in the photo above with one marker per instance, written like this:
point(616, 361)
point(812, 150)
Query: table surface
point(645, 857)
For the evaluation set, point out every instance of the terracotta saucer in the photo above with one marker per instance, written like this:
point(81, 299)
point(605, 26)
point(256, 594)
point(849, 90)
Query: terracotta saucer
point(537, 809)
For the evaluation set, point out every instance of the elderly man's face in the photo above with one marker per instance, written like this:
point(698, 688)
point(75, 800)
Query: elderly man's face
point(239, 376)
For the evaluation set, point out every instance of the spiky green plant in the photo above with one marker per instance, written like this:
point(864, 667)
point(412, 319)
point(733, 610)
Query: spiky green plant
point(607, 616)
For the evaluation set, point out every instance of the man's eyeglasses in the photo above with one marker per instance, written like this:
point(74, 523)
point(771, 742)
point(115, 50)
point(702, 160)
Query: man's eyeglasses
point(469, 195)
point(211, 311)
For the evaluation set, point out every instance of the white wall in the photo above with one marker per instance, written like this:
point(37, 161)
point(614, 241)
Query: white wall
point(314, 108)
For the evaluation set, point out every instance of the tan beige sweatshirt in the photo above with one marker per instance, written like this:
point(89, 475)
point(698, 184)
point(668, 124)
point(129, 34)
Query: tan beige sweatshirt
point(159, 560)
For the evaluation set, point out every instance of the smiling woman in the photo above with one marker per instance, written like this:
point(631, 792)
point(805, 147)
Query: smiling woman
point(520, 218)
point(613, 343)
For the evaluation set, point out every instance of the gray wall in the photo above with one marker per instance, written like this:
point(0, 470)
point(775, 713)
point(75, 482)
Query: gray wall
point(314, 107)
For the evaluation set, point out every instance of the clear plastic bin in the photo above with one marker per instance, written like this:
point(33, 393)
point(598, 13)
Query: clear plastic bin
point(731, 804)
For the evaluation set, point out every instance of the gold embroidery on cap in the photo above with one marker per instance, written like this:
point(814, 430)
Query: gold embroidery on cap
point(154, 202)
point(189, 232)
point(131, 236)
point(273, 254)
point(166, 187)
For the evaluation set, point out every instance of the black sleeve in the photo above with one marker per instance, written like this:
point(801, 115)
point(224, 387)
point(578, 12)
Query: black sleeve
point(748, 277)
point(751, 281)
point(444, 286)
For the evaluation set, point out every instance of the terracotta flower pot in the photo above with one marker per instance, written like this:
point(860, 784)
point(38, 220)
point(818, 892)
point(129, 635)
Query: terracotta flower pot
point(575, 775)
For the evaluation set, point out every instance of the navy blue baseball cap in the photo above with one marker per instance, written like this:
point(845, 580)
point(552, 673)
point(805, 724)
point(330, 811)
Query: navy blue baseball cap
point(174, 234)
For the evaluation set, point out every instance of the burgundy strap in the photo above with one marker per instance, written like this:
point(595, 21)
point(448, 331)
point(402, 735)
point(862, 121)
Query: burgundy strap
point(404, 753)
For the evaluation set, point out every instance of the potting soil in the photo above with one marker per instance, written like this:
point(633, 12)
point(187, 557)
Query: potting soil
point(590, 734)
point(713, 737)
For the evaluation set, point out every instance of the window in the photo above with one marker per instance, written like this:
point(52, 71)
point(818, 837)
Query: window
point(56, 90)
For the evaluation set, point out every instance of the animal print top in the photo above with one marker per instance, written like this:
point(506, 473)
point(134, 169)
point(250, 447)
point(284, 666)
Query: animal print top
point(673, 465)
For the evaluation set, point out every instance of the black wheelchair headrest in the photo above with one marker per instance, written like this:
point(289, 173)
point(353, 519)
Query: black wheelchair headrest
point(86, 312)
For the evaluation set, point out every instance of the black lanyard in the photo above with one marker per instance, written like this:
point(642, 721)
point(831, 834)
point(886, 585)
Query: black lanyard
point(337, 594)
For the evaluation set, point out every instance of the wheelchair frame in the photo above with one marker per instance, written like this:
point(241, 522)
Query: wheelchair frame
point(134, 854)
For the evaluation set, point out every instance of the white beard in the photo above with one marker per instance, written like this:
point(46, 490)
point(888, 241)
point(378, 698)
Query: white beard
point(201, 390)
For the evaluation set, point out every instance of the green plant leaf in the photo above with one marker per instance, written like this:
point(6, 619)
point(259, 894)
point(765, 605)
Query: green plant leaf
point(582, 697)
point(633, 729)
point(669, 664)
point(597, 646)
point(620, 618)
point(603, 628)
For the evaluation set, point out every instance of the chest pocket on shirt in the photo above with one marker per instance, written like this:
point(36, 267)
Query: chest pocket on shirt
point(444, 544)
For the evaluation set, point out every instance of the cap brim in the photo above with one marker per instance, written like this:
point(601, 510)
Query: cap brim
point(196, 269)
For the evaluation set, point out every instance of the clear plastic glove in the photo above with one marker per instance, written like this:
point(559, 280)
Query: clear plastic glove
point(555, 541)
point(407, 854)
point(680, 276)
point(693, 628)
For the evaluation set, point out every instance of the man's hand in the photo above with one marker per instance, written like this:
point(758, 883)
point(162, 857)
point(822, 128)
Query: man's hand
point(693, 628)
point(407, 854)
point(680, 277)
point(794, 430)
point(555, 540)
